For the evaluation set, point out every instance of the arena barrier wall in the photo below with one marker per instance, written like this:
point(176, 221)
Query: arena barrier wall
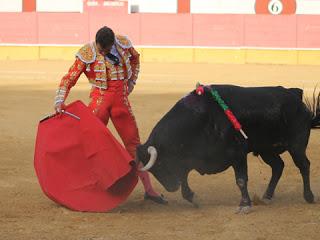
point(183, 38)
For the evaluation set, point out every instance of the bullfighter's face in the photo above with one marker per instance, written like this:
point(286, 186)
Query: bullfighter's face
point(104, 51)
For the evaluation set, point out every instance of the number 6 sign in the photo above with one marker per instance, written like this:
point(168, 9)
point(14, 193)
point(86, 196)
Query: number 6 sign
point(275, 7)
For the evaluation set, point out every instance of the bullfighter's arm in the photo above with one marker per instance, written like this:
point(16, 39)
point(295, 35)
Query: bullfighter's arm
point(69, 80)
point(135, 64)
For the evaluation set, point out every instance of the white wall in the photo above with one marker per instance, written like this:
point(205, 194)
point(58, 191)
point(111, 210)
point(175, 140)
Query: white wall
point(222, 6)
point(153, 6)
point(59, 6)
point(308, 7)
point(10, 5)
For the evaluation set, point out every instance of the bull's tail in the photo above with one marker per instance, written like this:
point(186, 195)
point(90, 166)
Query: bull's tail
point(314, 108)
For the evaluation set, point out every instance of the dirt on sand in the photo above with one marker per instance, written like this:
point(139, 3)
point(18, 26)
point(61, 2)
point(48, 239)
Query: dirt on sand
point(26, 95)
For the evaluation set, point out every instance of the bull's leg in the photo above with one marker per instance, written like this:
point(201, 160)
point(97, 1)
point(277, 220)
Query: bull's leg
point(186, 192)
point(241, 174)
point(277, 165)
point(297, 150)
point(301, 161)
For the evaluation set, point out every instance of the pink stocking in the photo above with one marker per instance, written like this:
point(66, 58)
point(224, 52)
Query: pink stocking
point(145, 179)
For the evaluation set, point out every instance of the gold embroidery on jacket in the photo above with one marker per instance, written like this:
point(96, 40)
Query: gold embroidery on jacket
point(125, 62)
point(123, 41)
point(100, 70)
point(87, 53)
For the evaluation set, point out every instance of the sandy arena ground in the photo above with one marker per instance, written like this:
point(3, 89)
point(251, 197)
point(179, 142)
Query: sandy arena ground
point(26, 95)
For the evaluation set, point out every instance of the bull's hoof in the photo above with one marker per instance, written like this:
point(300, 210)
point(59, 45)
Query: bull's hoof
point(188, 195)
point(309, 197)
point(244, 210)
point(266, 201)
point(261, 201)
point(195, 201)
point(267, 198)
point(267, 195)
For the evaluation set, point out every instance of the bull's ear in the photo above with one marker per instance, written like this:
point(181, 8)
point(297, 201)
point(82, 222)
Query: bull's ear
point(195, 102)
point(207, 88)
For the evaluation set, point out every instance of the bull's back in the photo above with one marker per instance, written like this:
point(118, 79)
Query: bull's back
point(238, 93)
point(267, 114)
point(267, 102)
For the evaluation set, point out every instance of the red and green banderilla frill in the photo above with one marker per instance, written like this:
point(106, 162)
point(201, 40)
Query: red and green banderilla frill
point(232, 118)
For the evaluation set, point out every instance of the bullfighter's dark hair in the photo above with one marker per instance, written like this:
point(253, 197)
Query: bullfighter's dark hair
point(105, 37)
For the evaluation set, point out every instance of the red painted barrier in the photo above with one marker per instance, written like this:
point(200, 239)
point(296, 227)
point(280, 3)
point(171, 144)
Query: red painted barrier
point(270, 31)
point(166, 29)
point(63, 28)
point(18, 28)
point(218, 30)
point(308, 31)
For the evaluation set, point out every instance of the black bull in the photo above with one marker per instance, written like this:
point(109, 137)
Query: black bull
point(196, 134)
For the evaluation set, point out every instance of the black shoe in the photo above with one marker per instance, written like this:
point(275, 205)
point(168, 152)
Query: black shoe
point(157, 199)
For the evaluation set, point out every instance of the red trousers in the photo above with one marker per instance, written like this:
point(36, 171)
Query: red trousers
point(113, 103)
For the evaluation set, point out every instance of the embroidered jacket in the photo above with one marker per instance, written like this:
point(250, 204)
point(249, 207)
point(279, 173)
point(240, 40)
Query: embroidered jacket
point(98, 70)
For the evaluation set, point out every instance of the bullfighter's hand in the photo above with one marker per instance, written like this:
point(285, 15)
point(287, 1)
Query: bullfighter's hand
point(130, 86)
point(58, 107)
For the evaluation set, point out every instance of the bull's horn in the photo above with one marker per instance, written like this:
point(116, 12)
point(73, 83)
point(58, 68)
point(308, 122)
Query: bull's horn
point(153, 157)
